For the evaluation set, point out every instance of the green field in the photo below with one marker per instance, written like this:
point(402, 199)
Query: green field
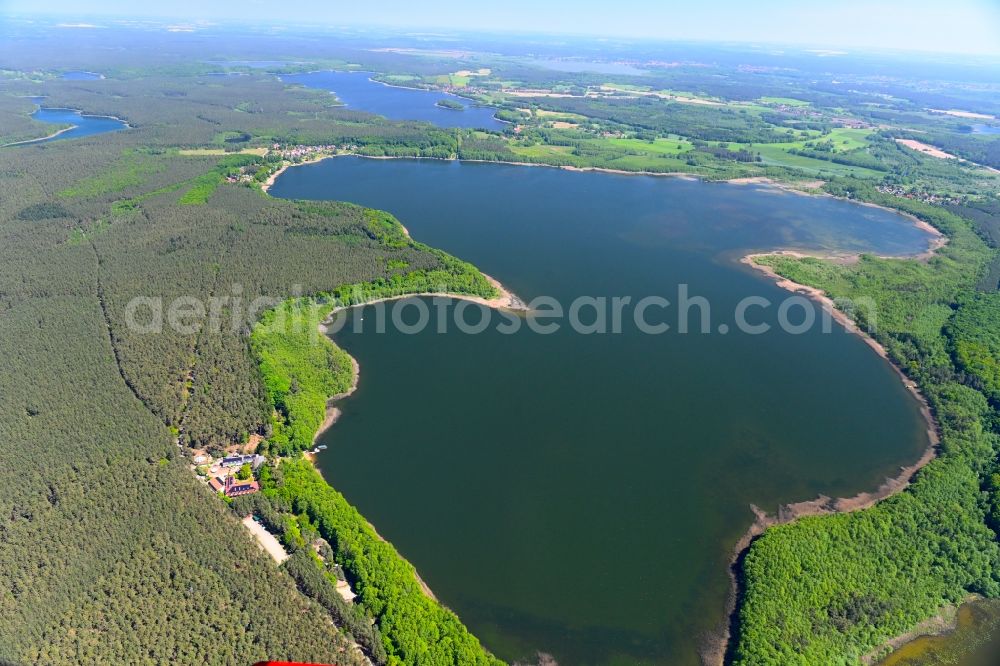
point(843, 139)
point(659, 147)
point(542, 151)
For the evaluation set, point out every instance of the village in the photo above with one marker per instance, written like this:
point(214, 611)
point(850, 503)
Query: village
point(287, 155)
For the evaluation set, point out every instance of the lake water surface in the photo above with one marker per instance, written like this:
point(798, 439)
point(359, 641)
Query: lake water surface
point(576, 66)
point(80, 75)
point(358, 91)
point(580, 495)
point(83, 125)
point(985, 129)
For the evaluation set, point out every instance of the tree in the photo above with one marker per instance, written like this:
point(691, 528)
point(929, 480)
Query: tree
point(245, 472)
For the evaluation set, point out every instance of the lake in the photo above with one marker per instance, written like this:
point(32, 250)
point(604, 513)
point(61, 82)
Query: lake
point(580, 495)
point(359, 92)
point(80, 75)
point(83, 125)
point(985, 129)
point(577, 66)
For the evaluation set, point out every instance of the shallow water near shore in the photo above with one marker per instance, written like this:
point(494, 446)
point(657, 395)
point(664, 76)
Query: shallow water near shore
point(580, 495)
point(975, 641)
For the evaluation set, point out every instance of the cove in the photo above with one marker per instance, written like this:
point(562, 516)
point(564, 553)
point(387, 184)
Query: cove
point(82, 124)
point(580, 495)
point(359, 92)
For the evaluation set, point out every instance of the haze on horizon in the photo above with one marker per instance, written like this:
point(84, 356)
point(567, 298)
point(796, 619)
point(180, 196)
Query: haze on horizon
point(959, 26)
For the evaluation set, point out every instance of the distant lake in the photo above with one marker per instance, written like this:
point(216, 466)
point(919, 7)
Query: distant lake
point(581, 495)
point(596, 67)
point(82, 76)
point(985, 129)
point(253, 64)
point(359, 92)
point(84, 125)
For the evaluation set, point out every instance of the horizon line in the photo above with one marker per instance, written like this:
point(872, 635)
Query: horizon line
point(824, 49)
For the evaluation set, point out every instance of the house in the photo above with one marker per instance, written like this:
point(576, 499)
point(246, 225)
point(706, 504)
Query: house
point(254, 461)
point(233, 487)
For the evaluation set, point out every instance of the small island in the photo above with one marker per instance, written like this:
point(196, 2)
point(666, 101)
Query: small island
point(450, 104)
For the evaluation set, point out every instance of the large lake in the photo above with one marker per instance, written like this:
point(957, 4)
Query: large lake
point(358, 91)
point(580, 495)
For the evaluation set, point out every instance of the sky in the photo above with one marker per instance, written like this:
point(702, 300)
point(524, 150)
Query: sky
point(954, 26)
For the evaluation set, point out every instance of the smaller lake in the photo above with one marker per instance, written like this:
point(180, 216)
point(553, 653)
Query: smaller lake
point(359, 92)
point(83, 125)
point(985, 129)
point(253, 64)
point(79, 75)
point(576, 66)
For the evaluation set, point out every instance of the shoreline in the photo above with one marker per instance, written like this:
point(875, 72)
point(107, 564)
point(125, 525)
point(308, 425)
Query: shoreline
point(943, 623)
point(40, 139)
point(506, 300)
point(718, 646)
point(269, 183)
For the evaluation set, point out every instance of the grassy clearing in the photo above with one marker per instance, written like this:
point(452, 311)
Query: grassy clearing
point(132, 170)
point(775, 154)
point(557, 115)
point(659, 147)
point(541, 152)
point(843, 140)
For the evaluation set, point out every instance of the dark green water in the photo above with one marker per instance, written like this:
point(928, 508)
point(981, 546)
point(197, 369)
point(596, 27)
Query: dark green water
point(580, 495)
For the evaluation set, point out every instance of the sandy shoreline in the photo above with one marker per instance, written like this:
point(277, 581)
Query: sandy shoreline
point(715, 649)
point(266, 186)
point(505, 301)
point(41, 138)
